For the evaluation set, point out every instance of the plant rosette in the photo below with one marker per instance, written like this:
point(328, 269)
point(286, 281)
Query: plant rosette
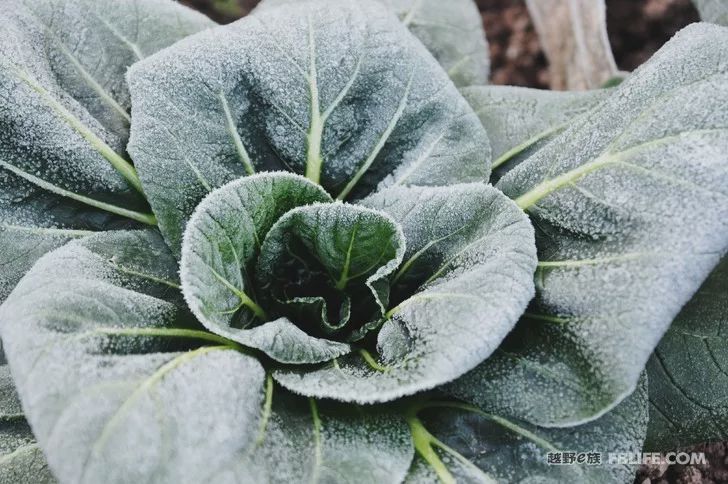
point(268, 252)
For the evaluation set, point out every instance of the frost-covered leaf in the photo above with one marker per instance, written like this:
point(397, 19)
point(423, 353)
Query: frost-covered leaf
point(64, 119)
point(689, 371)
point(519, 121)
point(715, 11)
point(466, 279)
point(25, 465)
point(508, 450)
point(336, 89)
point(21, 461)
point(452, 31)
point(306, 442)
point(335, 258)
point(631, 210)
point(221, 247)
point(110, 373)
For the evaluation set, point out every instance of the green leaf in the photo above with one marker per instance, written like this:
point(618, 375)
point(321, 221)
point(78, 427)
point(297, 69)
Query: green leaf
point(452, 32)
point(221, 245)
point(715, 11)
point(337, 90)
point(331, 256)
point(26, 465)
point(64, 119)
point(519, 121)
point(479, 251)
point(630, 209)
point(479, 447)
point(104, 358)
point(304, 443)
point(688, 372)
point(21, 461)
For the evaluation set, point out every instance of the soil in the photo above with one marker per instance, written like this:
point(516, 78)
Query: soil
point(637, 28)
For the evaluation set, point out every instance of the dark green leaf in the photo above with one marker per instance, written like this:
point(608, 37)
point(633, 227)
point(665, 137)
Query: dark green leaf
point(689, 371)
point(479, 252)
point(221, 246)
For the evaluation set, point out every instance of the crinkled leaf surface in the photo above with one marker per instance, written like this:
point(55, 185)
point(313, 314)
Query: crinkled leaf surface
point(452, 31)
point(519, 121)
point(346, 251)
point(222, 244)
point(95, 381)
point(631, 210)
point(689, 371)
point(305, 442)
point(715, 11)
point(64, 118)
point(478, 247)
point(338, 90)
point(21, 460)
point(500, 449)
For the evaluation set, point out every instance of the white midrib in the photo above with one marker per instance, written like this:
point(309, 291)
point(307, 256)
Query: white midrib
point(314, 160)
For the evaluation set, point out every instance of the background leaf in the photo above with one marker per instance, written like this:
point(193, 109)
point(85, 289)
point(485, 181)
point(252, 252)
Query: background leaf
point(688, 372)
point(338, 90)
point(630, 209)
point(478, 247)
point(64, 119)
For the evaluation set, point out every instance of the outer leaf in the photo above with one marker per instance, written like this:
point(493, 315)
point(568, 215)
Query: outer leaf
point(304, 444)
point(338, 90)
point(631, 210)
point(452, 31)
point(688, 372)
point(508, 450)
point(715, 11)
point(345, 250)
point(221, 245)
point(482, 247)
point(519, 121)
point(64, 120)
point(95, 381)
point(21, 461)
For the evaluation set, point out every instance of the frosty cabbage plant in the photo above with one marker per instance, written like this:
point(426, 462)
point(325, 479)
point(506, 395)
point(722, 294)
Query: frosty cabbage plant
point(269, 251)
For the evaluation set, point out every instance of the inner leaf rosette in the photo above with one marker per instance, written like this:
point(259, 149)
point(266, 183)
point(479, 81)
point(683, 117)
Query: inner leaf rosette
point(326, 266)
point(398, 294)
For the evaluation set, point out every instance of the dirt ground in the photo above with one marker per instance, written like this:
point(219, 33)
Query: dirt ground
point(637, 28)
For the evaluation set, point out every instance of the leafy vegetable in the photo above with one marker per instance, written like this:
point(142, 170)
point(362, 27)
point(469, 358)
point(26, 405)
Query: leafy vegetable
point(64, 119)
point(630, 208)
point(338, 91)
point(688, 374)
point(364, 323)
